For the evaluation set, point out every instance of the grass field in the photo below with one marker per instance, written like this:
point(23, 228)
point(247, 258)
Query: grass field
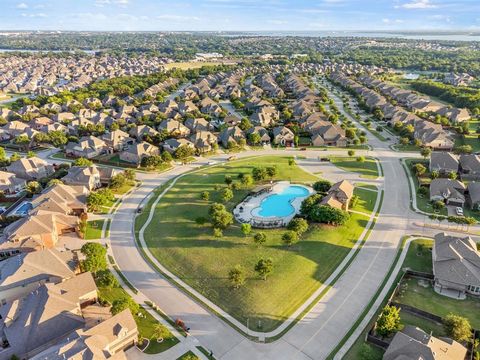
point(366, 169)
point(94, 230)
point(146, 323)
point(189, 249)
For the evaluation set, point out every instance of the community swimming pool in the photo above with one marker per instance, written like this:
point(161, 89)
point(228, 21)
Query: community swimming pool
point(280, 204)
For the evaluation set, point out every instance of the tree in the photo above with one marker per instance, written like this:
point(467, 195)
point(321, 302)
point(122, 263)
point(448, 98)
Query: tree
point(298, 225)
point(220, 217)
point(259, 173)
point(117, 181)
point(426, 152)
point(272, 171)
point(309, 203)
point(328, 215)
point(246, 229)
point(54, 182)
point(151, 162)
point(245, 124)
point(160, 332)
point(350, 133)
point(95, 257)
point(15, 156)
point(205, 195)
point(218, 233)
point(30, 154)
point(457, 327)
point(228, 180)
point(289, 237)
point(254, 138)
point(434, 174)
point(82, 162)
point(361, 159)
point(291, 161)
point(166, 157)
point(130, 174)
point(227, 195)
point(237, 276)
point(247, 180)
point(438, 205)
point(419, 169)
point(184, 152)
point(33, 187)
point(105, 278)
point(97, 199)
point(389, 321)
point(260, 238)
point(57, 138)
point(264, 267)
point(452, 175)
point(351, 153)
point(124, 303)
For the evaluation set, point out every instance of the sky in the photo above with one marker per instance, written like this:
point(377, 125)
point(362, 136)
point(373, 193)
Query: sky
point(239, 15)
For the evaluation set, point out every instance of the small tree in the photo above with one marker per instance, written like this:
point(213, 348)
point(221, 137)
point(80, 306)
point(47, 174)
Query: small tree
point(322, 186)
point(218, 233)
point(361, 159)
point(130, 174)
point(95, 257)
point(228, 179)
point(457, 327)
point(237, 276)
point(298, 225)
point(264, 267)
point(389, 321)
point(124, 303)
point(260, 238)
point(82, 162)
point(452, 175)
point(105, 278)
point(434, 174)
point(160, 332)
point(426, 152)
point(289, 237)
point(246, 229)
point(246, 180)
point(291, 161)
point(33, 187)
point(351, 153)
point(438, 205)
point(227, 195)
point(272, 171)
point(205, 195)
point(419, 169)
point(117, 181)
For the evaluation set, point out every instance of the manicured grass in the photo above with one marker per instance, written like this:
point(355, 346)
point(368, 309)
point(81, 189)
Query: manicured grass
point(366, 169)
point(190, 251)
point(188, 356)
point(428, 300)
point(419, 256)
point(408, 147)
point(94, 229)
point(426, 325)
point(146, 323)
point(124, 189)
point(367, 200)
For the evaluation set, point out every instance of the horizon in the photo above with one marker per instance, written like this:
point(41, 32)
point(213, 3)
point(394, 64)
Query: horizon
point(241, 16)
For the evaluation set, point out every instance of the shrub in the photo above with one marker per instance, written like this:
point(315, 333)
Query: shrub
point(457, 327)
point(289, 237)
point(298, 225)
point(260, 238)
point(322, 185)
point(124, 303)
point(388, 321)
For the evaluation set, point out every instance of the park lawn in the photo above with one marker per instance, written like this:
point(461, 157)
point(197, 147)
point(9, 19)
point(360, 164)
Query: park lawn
point(146, 323)
point(189, 355)
point(366, 169)
point(190, 251)
point(94, 229)
point(367, 200)
point(419, 256)
point(428, 300)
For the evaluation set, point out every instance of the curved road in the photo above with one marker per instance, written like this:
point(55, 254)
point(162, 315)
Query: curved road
point(317, 334)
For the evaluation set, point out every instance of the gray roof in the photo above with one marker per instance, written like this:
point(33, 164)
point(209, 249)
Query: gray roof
point(456, 260)
point(440, 160)
point(470, 162)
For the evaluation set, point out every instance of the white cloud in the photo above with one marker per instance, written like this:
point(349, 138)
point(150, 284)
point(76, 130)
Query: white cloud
point(170, 17)
point(35, 15)
point(102, 3)
point(417, 4)
point(22, 6)
point(392, 21)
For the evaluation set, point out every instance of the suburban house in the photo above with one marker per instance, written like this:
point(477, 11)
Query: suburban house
point(473, 197)
point(261, 132)
point(34, 323)
point(88, 147)
point(136, 152)
point(339, 195)
point(414, 343)
point(203, 141)
point(107, 340)
point(329, 135)
point(140, 131)
point(26, 272)
point(62, 199)
point(283, 136)
point(452, 192)
point(443, 162)
point(470, 166)
point(231, 134)
point(174, 128)
point(198, 124)
point(456, 265)
point(171, 145)
point(32, 168)
point(117, 140)
point(87, 176)
point(11, 184)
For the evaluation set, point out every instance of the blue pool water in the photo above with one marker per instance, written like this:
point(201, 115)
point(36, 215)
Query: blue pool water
point(23, 209)
point(279, 204)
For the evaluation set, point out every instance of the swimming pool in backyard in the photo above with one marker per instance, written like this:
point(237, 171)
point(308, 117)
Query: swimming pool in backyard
point(23, 209)
point(280, 204)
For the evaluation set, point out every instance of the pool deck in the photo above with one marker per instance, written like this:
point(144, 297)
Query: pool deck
point(245, 211)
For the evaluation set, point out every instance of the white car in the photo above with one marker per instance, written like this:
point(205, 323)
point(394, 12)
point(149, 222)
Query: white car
point(459, 211)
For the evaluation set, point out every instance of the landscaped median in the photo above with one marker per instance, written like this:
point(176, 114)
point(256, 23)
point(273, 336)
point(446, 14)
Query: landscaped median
point(181, 239)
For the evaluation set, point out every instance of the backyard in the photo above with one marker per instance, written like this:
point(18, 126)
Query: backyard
point(182, 240)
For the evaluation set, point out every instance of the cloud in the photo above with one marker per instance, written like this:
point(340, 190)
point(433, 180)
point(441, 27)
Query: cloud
point(392, 21)
point(171, 17)
point(102, 3)
point(36, 15)
point(417, 4)
point(22, 6)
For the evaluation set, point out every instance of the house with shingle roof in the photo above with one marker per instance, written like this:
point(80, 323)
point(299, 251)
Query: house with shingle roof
point(61, 198)
point(32, 168)
point(456, 265)
point(283, 136)
point(452, 192)
point(443, 162)
point(469, 166)
point(339, 195)
point(414, 343)
point(87, 147)
point(10, 183)
point(136, 152)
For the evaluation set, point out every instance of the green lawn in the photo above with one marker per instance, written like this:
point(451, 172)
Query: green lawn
point(94, 229)
point(188, 356)
point(146, 323)
point(366, 169)
point(419, 256)
point(426, 325)
point(367, 200)
point(428, 300)
point(191, 252)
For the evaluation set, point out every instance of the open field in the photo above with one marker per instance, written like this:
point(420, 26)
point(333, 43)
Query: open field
point(187, 65)
point(188, 249)
point(366, 169)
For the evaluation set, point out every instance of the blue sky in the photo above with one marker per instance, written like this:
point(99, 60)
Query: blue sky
point(253, 15)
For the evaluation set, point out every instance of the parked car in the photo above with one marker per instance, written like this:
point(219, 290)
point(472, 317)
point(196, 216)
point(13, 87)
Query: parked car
point(459, 211)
